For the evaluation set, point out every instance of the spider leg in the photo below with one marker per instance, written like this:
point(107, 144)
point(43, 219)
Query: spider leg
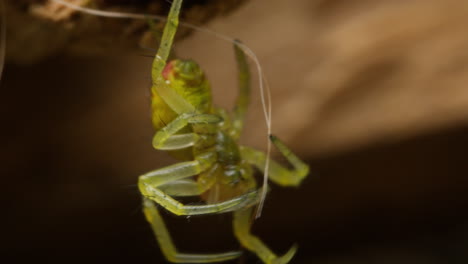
point(242, 223)
point(148, 184)
point(278, 173)
point(190, 187)
point(184, 187)
point(174, 142)
point(176, 171)
point(242, 101)
point(178, 208)
point(172, 180)
point(160, 86)
point(167, 245)
point(167, 139)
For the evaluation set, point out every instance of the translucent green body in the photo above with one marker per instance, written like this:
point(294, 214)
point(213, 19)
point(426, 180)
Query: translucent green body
point(229, 175)
point(213, 165)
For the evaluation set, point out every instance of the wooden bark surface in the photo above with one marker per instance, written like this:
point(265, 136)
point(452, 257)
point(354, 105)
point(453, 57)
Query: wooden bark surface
point(54, 28)
point(345, 74)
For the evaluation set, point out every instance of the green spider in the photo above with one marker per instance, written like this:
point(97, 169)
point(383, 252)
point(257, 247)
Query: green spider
point(213, 165)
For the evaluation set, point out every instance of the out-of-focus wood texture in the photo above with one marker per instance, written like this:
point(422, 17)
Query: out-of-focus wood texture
point(38, 29)
point(348, 73)
point(342, 73)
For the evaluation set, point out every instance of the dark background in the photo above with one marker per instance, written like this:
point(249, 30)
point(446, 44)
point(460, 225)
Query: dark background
point(76, 134)
point(69, 168)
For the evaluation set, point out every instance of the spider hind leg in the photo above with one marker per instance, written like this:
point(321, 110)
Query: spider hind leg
point(167, 245)
point(242, 223)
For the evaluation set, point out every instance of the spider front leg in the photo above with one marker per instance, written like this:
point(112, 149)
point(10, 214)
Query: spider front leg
point(166, 138)
point(149, 183)
point(160, 85)
point(278, 173)
point(243, 98)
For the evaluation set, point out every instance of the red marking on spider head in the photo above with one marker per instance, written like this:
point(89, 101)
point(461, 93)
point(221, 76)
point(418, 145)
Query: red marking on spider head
point(169, 69)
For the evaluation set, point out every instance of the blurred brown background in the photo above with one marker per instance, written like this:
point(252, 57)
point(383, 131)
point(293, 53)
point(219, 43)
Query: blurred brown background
point(371, 93)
